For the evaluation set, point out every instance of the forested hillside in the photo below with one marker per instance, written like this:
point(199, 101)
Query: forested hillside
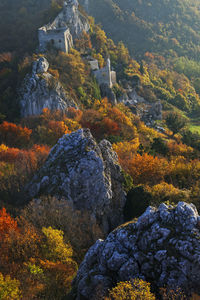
point(164, 28)
point(19, 21)
point(157, 26)
point(69, 176)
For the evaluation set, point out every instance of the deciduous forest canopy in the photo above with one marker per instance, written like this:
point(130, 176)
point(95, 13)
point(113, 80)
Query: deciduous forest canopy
point(133, 80)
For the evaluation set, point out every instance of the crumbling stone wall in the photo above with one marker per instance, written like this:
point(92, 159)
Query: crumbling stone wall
point(59, 38)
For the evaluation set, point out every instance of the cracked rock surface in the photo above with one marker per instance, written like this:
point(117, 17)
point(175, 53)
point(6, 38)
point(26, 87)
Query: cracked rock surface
point(41, 90)
point(162, 247)
point(87, 175)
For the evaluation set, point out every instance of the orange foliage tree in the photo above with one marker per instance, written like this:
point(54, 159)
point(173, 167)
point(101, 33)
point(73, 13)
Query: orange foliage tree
point(17, 166)
point(74, 113)
point(104, 120)
point(14, 135)
point(52, 132)
point(7, 224)
point(179, 149)
point(146, 169)
point(32, 158)
point(39, 259)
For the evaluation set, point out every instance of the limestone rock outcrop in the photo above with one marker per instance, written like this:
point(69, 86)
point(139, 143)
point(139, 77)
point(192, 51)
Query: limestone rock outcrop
point(41, 90)
point(87, 175)
point(162, 247)
point(67, 26)
point(148, 111)
point(72, 18)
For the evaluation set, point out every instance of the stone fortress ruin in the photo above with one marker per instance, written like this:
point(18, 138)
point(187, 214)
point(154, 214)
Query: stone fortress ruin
point(60, 34)
point(106, 75)
point(66, 27)
point(60, 38)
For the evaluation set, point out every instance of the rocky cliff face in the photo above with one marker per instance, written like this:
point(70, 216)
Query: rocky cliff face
point(41, 90)
point(87, 175)
point(70, 17)
point(163, 247)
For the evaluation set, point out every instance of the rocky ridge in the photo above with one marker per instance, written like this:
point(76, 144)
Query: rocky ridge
point(162, 247)
point(70, 17)
point(87, 175)
point(41, 90)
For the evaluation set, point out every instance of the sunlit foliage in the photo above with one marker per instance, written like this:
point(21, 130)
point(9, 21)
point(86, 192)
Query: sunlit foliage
point(136, 289)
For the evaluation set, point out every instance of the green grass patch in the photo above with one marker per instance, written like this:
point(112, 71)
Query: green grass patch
point(195, 128)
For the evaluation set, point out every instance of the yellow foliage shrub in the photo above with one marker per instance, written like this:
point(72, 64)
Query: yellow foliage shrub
point(167, 192)
point(136, 289)
point(54, 247)
point(179, 149)
point(9, 288)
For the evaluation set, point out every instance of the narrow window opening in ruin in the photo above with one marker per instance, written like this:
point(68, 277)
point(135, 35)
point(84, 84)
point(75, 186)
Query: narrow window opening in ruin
point(60, 41)
point(52, 42)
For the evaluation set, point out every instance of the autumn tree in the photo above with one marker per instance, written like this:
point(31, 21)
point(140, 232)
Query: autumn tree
point(146, 169)
point(7, 224)
point(100, 59)
point(58, 214)
point(57, 263)
point(100, 39)
point(17, 166)
point(92, 119)
point(167, 192)
point(74, 113)
point(83, 43)
point(72, 68)
point(17, 247)
point(126, 149)
point(136, 289)
point(9, 288)
point(54, 246)
point(175, 122)
point(123, 54)
point(39, 259)
point(183, 173)
point(14, 135)
point(51, 132)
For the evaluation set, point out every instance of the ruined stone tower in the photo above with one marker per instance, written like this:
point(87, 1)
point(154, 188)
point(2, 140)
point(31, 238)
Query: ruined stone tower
point(105, 75)
point(66, 27)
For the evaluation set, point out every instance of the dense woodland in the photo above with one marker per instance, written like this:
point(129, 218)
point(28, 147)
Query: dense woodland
point(162, 26)
point(40, 253)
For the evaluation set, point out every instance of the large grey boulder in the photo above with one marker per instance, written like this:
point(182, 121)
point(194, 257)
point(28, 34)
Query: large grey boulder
point(41, 90)
point(162, 247)
point(86, 174)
